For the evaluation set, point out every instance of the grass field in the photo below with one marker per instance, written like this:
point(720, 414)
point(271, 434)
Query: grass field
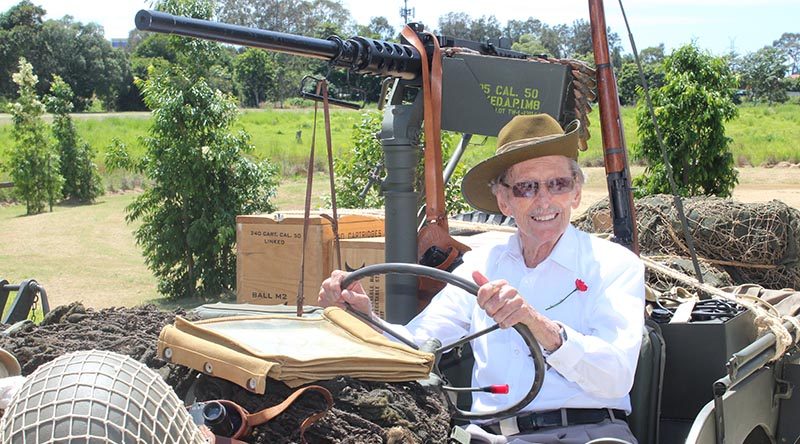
point(760, 134)
point(272, 132)
point(79, 253)
point(88, 253)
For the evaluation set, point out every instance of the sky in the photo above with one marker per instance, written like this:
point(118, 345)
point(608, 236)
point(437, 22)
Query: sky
point(715, 25)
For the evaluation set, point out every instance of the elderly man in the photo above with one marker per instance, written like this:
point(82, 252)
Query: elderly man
point(582, 297)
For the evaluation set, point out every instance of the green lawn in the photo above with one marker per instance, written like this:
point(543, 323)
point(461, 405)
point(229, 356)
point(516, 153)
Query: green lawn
point(78, 253)
point(273, 134)
point(759, 134)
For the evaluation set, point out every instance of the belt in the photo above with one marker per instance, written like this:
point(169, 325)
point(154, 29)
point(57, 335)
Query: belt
point(552, 418)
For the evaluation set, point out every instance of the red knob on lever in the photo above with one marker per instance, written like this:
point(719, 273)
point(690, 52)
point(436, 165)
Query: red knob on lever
point(498, 389)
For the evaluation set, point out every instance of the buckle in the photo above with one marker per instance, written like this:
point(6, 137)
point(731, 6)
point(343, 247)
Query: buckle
point(509, 426)
point(555, 418)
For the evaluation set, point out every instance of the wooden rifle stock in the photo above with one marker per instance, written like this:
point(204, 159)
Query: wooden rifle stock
point(615, 156)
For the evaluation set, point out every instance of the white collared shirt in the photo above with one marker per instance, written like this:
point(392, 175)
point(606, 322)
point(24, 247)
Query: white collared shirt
point(594, 368)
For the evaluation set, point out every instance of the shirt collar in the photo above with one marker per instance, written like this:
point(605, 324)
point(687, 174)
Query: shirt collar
point(563, 253)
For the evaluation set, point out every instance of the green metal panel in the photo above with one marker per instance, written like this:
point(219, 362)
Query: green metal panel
point(480, 94)
point(747, 405)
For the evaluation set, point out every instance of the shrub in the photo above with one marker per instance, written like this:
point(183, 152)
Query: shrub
point(33, 165)
point(691, 107)
point(363, 167)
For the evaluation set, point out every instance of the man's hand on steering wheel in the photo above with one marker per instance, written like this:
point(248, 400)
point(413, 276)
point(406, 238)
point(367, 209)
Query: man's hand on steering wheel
point(332, 294)
point(507, 307)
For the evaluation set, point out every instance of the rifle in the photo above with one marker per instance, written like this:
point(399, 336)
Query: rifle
point(483, 85)
point(615, 156)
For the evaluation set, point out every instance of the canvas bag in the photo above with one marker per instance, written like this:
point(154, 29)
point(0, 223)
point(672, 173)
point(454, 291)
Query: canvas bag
point(246, 350)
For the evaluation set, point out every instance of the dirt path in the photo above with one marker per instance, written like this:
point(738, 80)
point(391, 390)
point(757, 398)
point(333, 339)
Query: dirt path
point(88, 253)
point(755, 185)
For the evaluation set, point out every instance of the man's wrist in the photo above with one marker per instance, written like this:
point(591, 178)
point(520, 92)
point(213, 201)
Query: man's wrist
point(562, 333)
point(561, 338)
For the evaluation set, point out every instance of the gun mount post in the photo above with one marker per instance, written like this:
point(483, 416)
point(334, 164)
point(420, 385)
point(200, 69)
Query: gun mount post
point(400, 136)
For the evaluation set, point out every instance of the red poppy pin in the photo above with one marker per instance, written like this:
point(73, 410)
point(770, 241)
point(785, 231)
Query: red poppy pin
point(579, 286)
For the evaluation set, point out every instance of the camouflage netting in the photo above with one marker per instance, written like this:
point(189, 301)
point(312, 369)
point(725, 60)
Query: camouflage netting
point(736, 242)
point(363, 412)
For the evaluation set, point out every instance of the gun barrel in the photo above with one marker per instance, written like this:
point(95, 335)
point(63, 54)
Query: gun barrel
point(361, 55)
point(238, 35)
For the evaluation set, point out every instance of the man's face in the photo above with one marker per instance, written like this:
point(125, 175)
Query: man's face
point(543, 216)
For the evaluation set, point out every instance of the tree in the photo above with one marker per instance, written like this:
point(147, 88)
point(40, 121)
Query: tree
point(455, 24)
point(554, 38)
point(652, 55)
point(362, 169)
point(20, 36)
point(529, 44)
point(579, 39)
point(789, 44)
point(377, 28)
point(515, 29)
point(304, 17)
point(78, 53)
point(577, 43)
point(461, 25)
point(254, 73)
point(629, 81)
point(33, 165)
point(83, 58)
point(199, 172)
point(485, 28)
point(76, 158)
point(762, 74)
point(691, 107)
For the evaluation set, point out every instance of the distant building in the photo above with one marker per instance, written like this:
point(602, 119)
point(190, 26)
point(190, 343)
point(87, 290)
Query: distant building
point(119, 43)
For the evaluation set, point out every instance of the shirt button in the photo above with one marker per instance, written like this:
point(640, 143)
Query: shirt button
point(516, 352)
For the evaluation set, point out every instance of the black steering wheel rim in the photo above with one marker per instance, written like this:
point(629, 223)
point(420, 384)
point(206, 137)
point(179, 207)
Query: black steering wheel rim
point(469, 286)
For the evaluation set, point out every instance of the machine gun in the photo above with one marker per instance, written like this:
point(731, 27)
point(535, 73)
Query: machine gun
point(483, 85)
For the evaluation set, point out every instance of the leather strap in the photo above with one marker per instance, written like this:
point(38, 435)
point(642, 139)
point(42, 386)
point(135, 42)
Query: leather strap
point(435, 211)
point(307, 211)
point(434, 230)
point(268, 414)
point(329, 143)
point(322, 87)
point(211, 438)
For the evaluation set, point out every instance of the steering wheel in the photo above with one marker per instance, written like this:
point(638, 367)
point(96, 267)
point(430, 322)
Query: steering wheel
point(471, 287)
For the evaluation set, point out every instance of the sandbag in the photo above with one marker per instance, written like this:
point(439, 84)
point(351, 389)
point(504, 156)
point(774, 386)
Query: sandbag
point(786, 301)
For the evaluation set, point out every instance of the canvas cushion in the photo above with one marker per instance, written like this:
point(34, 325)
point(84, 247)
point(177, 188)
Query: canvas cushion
point(296, 350)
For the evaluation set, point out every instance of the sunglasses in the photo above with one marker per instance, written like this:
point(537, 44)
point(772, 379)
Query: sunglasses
point(530, 188)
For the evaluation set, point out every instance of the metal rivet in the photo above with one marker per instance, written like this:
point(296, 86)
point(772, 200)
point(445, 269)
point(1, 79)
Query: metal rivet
point(251, 384)
point(208, 368)
point(168, 353)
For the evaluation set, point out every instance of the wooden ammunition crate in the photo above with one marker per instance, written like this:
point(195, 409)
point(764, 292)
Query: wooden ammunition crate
point(269, 248)
point(358, 253)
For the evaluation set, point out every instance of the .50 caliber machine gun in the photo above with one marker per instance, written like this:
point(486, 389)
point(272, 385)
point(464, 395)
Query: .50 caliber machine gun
point(481, 87)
